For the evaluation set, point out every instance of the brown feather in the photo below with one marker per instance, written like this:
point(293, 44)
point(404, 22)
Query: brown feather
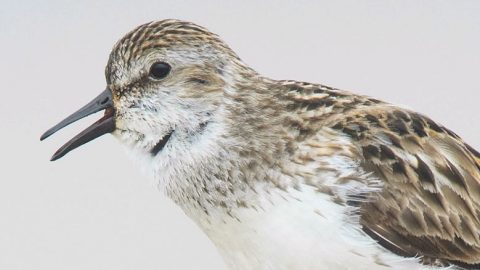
point(434, 175)
point(429, 205)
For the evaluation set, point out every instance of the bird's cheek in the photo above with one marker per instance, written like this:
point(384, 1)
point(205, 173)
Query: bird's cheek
point(121, 124)
point(125, 134)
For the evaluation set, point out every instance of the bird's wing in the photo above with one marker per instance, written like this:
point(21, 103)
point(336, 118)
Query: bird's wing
point(429, 205)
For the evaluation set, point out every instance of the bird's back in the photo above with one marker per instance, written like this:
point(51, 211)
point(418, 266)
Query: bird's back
point(428, 197)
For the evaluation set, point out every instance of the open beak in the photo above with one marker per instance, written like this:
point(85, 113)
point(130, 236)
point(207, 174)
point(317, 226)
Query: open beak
point(105, 125)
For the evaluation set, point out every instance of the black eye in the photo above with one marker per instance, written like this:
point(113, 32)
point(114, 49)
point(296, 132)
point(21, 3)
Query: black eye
point(159, 70)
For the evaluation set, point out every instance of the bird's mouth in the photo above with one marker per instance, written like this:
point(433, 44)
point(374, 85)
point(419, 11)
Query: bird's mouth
point(104, 125)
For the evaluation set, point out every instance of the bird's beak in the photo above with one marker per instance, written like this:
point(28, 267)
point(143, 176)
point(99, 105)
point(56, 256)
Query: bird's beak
point(105, 125)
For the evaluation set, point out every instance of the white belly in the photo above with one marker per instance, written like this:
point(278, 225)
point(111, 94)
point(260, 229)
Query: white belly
point(300, 232)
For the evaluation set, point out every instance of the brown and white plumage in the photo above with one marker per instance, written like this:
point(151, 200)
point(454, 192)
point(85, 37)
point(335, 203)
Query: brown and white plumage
point(292, 175)
point(429, 203)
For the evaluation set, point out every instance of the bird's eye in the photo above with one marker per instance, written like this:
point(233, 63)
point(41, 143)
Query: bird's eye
point(159, 70)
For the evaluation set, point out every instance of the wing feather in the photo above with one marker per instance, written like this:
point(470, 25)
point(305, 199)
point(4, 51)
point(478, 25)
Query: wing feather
point(429, 202)
point(429, 205)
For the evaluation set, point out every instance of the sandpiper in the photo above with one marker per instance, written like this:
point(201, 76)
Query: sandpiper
point(285, 174)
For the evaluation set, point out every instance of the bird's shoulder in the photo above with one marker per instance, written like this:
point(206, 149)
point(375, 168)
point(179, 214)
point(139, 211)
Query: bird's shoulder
point(429, 202)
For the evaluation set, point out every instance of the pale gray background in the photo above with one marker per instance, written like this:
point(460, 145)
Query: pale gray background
point(93, 209)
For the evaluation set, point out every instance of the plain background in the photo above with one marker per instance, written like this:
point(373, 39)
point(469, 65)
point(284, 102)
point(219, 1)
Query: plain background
point(93, 209)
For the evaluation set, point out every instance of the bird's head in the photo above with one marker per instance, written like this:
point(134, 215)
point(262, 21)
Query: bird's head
point(166, 81)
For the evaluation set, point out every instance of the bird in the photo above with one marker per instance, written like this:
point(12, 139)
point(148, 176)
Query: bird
point(283, 174)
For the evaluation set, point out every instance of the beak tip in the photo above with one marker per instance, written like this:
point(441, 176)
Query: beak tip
point(55, 157)
point(49, 132)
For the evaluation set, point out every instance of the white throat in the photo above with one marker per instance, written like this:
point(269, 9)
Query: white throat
point(258, 225)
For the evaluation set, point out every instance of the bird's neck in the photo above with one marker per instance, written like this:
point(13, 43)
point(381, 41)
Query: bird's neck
point(228, 164)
